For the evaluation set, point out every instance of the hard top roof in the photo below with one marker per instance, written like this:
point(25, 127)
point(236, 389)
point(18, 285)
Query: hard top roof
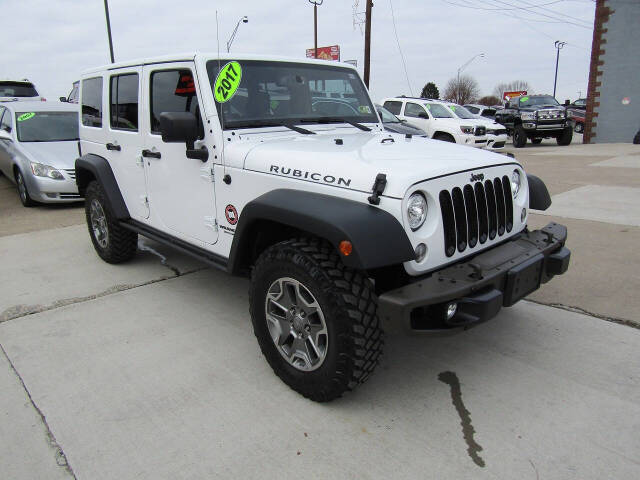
point(38, 106)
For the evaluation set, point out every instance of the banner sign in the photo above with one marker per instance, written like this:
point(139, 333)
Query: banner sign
point(508, 95)
point(325, 53)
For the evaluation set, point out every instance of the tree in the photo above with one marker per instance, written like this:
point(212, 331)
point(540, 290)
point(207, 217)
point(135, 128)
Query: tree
point(490, 100)
point(462, 90)
point(430, 91)
point(512, 86)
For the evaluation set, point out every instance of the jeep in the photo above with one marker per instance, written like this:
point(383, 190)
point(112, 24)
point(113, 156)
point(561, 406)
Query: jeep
point(246, 163)
point(535, 117)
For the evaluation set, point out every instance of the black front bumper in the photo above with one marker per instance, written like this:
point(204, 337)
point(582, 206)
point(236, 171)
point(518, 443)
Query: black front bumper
point(496, 278)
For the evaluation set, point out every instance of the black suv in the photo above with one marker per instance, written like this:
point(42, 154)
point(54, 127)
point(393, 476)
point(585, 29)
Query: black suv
point(535, 117)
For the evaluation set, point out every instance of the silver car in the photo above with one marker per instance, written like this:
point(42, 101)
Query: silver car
point(38, 150)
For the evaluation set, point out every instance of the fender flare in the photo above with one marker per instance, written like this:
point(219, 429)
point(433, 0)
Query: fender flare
point(539, 198)
point(377, 237)
point(92, 166)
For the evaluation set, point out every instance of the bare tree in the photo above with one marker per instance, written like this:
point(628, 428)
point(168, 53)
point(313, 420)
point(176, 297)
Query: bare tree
point(490, 100)
point(513, 86)
point(462, 90)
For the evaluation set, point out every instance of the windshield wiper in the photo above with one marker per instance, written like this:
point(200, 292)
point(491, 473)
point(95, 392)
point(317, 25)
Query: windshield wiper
point(289, 125)
point(364, 128)
point(304, 131)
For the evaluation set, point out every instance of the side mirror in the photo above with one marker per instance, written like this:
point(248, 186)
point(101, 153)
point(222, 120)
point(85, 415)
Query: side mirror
point(182, 127)
point(567, 102)
point(63, 99)
point(423, 115)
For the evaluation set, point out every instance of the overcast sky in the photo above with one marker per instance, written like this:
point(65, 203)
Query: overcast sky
point(51, 42)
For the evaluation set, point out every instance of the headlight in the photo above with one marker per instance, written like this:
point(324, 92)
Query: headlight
point(516, 180)
point(467, 130)
point(528, 115)
point(416, 210)
point(41, 170)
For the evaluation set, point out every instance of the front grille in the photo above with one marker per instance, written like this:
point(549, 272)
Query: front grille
point(476, 213)
point(550, 114)
point(480, 131)
point(71, 172)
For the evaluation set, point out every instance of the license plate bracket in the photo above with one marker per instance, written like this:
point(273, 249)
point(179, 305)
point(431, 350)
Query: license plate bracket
point(523, 279)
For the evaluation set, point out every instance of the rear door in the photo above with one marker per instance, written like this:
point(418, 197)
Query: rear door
point(181, 189)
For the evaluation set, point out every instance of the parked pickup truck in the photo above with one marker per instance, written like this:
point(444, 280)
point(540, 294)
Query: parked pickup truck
point(535, 117)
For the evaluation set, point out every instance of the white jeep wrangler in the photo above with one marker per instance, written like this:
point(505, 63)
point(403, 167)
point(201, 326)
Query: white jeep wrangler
point(280, 169)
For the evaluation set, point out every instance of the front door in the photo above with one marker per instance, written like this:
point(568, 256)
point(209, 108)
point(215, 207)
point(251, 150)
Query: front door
point(181, 189)
point(416, 114)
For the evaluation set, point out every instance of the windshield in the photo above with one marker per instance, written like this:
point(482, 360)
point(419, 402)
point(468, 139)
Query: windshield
point(542, 100)
point(386, 115)
point(252, 93)
point(17, 89)
point(47, 126)
point(461, 112)
point(438, 110)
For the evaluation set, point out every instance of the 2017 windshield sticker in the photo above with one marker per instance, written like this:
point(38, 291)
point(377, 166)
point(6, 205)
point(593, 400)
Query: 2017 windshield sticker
point(524, 99)
point(26, 116)
point(364, 109)
point(452, 107)
point(227, 82)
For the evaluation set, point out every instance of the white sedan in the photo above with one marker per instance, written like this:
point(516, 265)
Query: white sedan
point(38, 150)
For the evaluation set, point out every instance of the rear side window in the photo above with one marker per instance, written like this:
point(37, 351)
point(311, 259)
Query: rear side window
point(472, 109)
point(393, 107)
point(124, 102)
point(92, 102)
point(172, 91)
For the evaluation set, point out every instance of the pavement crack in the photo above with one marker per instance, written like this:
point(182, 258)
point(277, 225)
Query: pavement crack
point(473, 447)
point(60, 457)
point(570, 308)
point(163, 260)
point(19, 311)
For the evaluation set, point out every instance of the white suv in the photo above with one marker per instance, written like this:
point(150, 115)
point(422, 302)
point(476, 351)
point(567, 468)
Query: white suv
point(18, 90)
point(232, 159)
point(496, 133)
point(437, 120)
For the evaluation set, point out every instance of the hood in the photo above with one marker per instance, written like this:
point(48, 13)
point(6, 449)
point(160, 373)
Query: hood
point(55, 154)
point(355, 161)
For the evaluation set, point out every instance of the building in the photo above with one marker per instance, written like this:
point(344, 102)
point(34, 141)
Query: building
point(613, 105)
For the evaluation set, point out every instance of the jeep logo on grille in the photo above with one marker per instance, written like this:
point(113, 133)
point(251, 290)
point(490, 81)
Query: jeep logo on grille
point(477, 178)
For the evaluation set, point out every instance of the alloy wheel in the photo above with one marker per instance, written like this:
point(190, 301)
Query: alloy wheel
point(99, 224)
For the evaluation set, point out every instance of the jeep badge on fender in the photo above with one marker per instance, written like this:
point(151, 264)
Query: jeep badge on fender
point(337, 223)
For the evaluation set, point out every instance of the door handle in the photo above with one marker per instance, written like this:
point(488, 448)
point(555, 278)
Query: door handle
point(113, 146)
point(149, 154)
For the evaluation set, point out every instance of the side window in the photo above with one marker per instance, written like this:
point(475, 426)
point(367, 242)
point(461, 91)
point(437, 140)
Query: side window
point(473, 109)
point(92, 102)
point(124, 102)
point(393, 107)
point(5, 123)
point(413, 110)
point(173, 91)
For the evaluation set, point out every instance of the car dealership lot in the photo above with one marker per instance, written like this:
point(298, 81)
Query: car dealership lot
point(151, 369)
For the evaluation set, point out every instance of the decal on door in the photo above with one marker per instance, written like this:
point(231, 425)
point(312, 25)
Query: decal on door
point(231, 214)
point(227, 82)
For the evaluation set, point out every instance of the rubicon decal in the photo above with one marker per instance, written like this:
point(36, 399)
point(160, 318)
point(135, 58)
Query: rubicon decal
point(312, 176)
point(232, 214)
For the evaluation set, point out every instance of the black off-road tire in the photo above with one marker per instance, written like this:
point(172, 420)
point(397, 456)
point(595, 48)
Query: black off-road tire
point(121, 244)
point(536, 141)
point(519, 136)
point(579, 128)
point(566, 137)
point(349, 306)
point(24, 197)
point(444, 137)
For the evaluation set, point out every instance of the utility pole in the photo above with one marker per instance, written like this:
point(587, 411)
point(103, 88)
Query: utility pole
point(367, 43)
point(315, 25)
point(558, 44)
point(106, 13)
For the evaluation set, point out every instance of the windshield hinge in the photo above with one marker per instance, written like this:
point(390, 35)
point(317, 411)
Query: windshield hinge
point(378, 187)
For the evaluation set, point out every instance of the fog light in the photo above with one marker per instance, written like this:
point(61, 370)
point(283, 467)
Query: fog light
point(452, 308)
point(421, 252)
point(523, 215)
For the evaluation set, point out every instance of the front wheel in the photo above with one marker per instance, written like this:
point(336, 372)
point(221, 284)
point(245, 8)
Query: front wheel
point(565, 139)
point(579, 128)
point(112, 242)
point(519, 137)
point(23, 192)
point(314, 318)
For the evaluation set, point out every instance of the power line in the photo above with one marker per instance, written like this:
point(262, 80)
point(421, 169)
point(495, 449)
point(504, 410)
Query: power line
point(547, 16)
point(395, 31)
point(541, 7)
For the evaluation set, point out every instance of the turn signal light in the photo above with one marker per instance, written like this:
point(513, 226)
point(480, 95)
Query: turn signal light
point(345, 248)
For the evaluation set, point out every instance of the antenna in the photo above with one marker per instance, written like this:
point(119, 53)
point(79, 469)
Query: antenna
point(221, 116)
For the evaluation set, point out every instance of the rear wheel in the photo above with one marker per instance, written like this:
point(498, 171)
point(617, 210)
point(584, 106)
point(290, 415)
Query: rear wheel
point(314, 318)
point(519, 137)
point(565, 139)
point(23, 192)
point(111, 241)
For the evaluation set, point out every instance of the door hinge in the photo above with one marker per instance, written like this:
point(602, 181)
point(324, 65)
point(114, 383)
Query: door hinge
point(211, 222)
point(139, 161)
point(207, 173)
point(144, 200)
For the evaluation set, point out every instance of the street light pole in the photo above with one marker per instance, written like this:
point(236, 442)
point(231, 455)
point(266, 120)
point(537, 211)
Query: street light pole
point(462, 68)
point(558, 44)
point(106, 13)
point(244, 19)
point(315, 25)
